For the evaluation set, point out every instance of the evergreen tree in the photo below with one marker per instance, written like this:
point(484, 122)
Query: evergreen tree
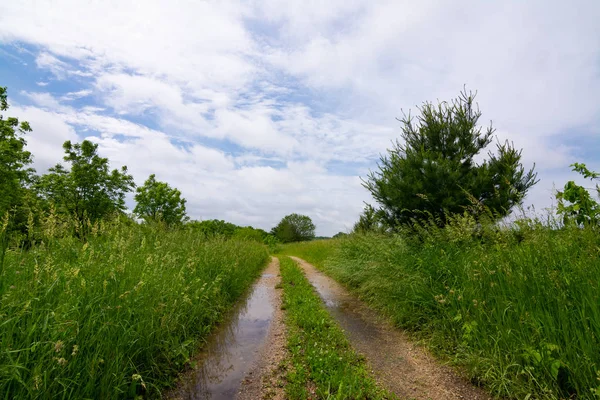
point(432, 171)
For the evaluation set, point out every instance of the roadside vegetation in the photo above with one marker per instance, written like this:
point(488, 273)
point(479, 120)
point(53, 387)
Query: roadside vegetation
point(514, 302)
point(115, 316)
point(323, 364)
point(97, 304)
point(519, 310)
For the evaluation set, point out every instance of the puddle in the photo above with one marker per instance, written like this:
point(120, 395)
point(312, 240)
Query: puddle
point(345, 308)
point(233, 348)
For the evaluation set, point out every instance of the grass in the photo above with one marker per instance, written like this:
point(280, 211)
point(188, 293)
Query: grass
point(323, 365)
point(518, 309)
point(118, 316)
point(315, 252)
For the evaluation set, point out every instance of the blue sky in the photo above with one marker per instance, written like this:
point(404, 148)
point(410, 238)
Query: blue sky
point(256, 109)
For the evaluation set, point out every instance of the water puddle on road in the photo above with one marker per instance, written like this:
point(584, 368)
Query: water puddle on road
point(233, 348)
point(345, 308)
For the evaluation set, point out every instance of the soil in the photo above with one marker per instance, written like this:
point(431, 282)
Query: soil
point(399, 365)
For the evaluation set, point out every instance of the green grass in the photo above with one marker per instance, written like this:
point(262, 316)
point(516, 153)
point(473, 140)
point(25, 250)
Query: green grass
point(519, 310)
point(118, 316)
point(315, 252)
point(323, 363)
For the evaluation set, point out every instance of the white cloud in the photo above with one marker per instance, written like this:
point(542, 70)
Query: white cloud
point(49, 133)
point(76, 95)
point(48, 61)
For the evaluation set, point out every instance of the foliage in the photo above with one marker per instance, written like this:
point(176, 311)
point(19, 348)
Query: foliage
point(157, 201)
point(89, 190)
point(294, 228)
point(16, 176)
point(433, 171)
point(575, 202)
point(321, 356)
point(517, 307)
point(212, 227)
point(117, 316)
point(371, 220)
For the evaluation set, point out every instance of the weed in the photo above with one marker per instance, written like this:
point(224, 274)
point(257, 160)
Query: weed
point(115, 317)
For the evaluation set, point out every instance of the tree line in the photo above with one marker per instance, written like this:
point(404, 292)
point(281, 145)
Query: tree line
point(85, 190)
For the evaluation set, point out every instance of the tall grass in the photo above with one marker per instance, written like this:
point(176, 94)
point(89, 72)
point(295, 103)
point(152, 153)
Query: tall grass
point(117, 316)
point(518, 308)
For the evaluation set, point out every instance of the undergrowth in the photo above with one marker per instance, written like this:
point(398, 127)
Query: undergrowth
point(117, 316)
point(323, 364)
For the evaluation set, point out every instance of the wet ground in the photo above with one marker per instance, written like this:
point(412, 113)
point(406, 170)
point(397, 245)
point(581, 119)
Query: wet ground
point(234, 351)
point(399, 365)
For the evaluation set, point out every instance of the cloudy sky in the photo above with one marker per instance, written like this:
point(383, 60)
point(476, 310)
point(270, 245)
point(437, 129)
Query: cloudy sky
point(256, 109)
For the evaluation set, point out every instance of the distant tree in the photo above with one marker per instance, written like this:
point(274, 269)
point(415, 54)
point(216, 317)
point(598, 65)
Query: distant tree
point(294, 228)
point(213, 227)
point(575, 203)
point(157, 201)
point(370, 220)
point(15, 174)
point(432, 172)
point(88, 190)
point(340, 235)
point(249, 233)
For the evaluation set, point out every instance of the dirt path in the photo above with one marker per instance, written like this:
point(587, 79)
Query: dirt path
point(399, 365)
point(246, 347)
point(266, 379)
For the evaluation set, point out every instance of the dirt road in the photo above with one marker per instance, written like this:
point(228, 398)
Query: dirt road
point(398, 364)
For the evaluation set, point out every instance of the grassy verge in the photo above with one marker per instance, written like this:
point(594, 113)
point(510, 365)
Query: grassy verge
point(323, 363)
point(520, 311)
point(315, 252)
point(118, 316)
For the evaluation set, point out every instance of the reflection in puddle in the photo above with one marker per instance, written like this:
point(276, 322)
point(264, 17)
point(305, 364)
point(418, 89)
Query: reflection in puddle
point(233, 348)
point(344, 307)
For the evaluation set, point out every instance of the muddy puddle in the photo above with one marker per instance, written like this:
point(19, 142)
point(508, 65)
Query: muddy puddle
point(399, 365)
point(233, 348)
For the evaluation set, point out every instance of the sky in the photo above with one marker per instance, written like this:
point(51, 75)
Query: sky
point(259, 109)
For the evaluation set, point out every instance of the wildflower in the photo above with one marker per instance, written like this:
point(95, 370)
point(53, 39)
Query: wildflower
point(58, 346)
point(75, 350)
point(61, 361)
point(440, 298)
point(136, 377)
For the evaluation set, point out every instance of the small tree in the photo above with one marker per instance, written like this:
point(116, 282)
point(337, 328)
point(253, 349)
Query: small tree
point(575, 202)
point(89, 190)
point(15, 175)
point(157, 201)
point(369, 221)
point(294, 228)
point(433, 172)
